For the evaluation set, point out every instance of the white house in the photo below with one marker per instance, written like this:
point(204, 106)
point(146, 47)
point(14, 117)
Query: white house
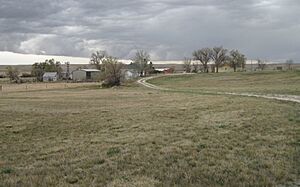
point(50, 77)
point(129, 74)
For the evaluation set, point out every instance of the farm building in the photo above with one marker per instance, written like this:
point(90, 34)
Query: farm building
point(50, 76)
point(86, 75)
point(129, 74)
point(165, 70)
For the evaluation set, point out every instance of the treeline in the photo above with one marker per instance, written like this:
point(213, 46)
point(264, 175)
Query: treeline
point(203, 60)
point(215, 58)
point(39, 68)
point(111, 68)
point(37, 71)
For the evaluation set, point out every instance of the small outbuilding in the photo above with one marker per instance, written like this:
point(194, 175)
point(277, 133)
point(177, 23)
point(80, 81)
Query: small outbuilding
point(50, 77)
point(82, 75)
point(129, 74)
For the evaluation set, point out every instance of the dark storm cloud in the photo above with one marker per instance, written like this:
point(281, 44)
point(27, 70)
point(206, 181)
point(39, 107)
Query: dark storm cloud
point(168, 29)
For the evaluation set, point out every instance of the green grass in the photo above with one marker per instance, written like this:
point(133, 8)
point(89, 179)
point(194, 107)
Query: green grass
point(113, 151)
point(258, 82)
point(134, 136)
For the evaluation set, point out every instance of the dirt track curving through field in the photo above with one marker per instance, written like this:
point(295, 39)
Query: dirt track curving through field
point(291, 98)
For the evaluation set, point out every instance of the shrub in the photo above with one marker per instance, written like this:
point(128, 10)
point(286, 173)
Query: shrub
point(13, 74)
point(112, 72)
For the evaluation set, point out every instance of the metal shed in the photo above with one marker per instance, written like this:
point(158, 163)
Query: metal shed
point(82, 75)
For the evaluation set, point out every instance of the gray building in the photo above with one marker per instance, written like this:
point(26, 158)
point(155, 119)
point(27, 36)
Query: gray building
point(82, 75)
point(50, 76)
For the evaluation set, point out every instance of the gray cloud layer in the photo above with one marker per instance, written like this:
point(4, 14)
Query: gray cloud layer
point(168, 29)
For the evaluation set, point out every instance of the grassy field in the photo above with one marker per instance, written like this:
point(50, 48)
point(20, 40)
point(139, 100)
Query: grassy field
point(4, 81)
point(133, 136)
point(259, 82)
point(7, 88)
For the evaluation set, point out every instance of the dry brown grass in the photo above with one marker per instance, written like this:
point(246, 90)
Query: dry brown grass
point(133, 136)
point(42, 86)
point(257, 82)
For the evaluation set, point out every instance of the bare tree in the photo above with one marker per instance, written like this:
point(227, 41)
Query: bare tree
point(112, 71)
point(261, 64)
point(141, 60)
point(187, 65)
point(236, 59)
point(13, 74)
point(219, 56)
point(213, 68)
point(204, 56)
point(97, 58)
point(195, 67)
point(151, 68)
point(289, 64)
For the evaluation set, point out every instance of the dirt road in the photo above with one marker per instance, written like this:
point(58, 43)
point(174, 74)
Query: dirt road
point(291, 98)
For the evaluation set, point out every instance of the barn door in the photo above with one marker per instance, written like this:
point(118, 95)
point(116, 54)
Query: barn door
point(88, 75)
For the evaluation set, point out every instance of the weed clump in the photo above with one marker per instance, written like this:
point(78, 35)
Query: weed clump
point(200, 147)
point(113, 151)
point(71, 180)
point(7, 171)
point(100, 162)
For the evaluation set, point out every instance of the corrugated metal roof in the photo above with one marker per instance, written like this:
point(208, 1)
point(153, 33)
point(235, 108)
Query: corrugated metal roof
point(162, 69)
point(50, 74)
point(90, 70)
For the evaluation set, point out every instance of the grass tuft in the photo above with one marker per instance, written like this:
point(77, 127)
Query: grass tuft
point(113, 151)
point(200, 147)
point(7, 170)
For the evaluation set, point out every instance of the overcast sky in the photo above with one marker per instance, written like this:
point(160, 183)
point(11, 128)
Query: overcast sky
point(167, 29)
